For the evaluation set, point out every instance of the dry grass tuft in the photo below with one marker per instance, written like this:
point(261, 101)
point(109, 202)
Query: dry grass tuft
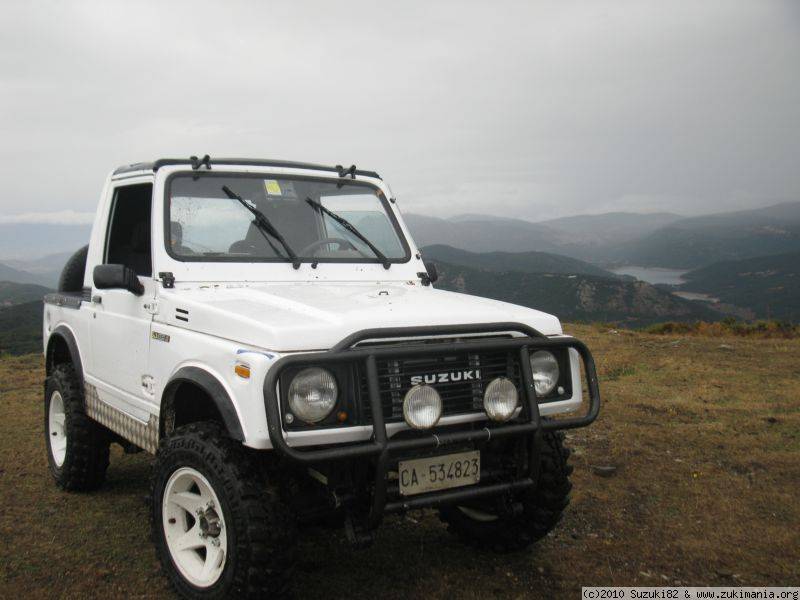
point(730, 328)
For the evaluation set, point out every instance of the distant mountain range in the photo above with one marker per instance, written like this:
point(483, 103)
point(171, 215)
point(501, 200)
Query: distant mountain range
point(486, 235)
point(43, 271)
point(651, 240)
point(611, 228)
point(523, 262)
point(8, 273)
point(700, 241)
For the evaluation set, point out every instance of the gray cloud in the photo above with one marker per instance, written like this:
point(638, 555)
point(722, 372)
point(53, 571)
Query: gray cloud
point(533, 109)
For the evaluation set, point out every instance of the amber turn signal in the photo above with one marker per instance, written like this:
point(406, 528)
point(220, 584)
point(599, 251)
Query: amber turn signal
point(242, 370)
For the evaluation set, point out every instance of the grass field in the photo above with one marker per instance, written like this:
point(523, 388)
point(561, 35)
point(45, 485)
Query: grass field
point(704, 433)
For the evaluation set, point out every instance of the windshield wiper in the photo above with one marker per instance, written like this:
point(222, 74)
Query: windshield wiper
point(264, 225)
point(352, 229)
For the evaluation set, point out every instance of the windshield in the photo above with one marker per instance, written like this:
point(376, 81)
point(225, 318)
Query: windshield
point(206, 223)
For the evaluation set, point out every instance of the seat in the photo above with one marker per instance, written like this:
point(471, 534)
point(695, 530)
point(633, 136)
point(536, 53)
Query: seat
point(139, 250)
point(253, 244)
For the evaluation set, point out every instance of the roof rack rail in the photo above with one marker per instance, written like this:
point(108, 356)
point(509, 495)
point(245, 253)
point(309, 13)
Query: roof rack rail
point(247, 162)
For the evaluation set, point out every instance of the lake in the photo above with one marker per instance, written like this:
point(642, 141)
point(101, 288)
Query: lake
point(653, 274)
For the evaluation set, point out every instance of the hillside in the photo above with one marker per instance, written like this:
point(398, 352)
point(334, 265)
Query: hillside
point(18, 293)
point(21, 328)
point(575, 297)
point(700, 241)
point(768, 285)
point(700, 433)
point(45, 269)
point(610, 228)
point(12, 274)
point(524, 262)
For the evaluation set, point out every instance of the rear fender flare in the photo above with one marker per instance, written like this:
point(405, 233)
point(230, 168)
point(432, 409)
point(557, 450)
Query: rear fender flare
point(64, 333)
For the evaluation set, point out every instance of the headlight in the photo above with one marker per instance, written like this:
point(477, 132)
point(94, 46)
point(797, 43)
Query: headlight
point(500, 399)
point(422, 407)
point(312, 394)
point(545, 371)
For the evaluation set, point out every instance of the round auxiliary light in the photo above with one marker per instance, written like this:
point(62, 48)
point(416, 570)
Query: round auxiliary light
point(545, 371)
point(422, 407)
point(312, 394)
point(500, 399)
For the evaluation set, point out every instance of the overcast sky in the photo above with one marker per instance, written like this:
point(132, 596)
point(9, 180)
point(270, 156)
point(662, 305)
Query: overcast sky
point(532, 109)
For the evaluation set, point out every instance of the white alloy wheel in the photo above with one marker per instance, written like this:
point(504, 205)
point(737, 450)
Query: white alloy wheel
point(56, 420)
point(194, 527)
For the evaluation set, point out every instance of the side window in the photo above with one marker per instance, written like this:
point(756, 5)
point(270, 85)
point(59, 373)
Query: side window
point(128, 241)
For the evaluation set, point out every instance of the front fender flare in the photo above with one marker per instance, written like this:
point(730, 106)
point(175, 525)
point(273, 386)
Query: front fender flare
point(211, 386)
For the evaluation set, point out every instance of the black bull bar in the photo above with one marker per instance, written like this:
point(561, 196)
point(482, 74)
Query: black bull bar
point(529, 421)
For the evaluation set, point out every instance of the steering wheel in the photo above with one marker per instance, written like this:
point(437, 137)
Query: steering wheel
point(341, 243)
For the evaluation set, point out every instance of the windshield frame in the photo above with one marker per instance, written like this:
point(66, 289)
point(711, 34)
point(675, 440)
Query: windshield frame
point(385, 202)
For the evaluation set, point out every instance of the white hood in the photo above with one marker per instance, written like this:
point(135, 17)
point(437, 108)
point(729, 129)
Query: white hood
point(288, 317)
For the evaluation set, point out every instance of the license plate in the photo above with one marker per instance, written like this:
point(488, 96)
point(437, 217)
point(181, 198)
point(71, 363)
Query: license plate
point(439, 472)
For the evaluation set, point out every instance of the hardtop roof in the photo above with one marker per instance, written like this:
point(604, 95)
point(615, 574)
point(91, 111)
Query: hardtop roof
point(248, 162)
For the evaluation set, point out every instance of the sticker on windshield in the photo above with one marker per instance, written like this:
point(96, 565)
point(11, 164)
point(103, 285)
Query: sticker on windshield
point(273, 187)
point(284, 189)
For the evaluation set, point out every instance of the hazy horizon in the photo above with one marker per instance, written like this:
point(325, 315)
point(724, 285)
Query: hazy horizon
point(68, 217)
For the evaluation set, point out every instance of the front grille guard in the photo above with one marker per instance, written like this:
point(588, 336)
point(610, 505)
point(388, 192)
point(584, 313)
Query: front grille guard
point(381, 447)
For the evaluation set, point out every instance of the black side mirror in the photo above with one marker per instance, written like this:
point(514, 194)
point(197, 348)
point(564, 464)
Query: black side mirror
point(433, 274)
point(430, 276)
point(117, 277)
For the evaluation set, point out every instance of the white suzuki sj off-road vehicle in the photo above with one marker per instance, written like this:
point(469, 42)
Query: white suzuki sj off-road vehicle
point(269, 331)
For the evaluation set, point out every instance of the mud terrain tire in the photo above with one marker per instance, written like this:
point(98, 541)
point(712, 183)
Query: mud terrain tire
point(542, 506)
point(260, 529)
point(83, 458)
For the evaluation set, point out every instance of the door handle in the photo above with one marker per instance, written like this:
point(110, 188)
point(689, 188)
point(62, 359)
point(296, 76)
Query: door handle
point(97, 299)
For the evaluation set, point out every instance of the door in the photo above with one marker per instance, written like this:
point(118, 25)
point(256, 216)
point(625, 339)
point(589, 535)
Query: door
point(120, 328)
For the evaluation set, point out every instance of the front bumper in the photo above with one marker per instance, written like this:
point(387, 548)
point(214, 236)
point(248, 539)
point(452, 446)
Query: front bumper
point(384, 451)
